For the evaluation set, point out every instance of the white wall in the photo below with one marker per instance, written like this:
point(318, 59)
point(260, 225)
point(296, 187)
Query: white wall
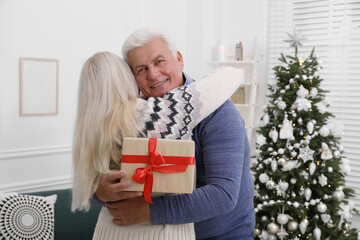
point(35, 151)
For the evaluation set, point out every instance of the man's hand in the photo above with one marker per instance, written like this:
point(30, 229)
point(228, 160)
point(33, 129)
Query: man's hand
point(110, 189)
point(129, 211)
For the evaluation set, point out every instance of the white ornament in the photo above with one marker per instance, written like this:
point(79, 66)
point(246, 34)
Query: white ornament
point(264, 235)
point(321, 207)
point(302, 92)
point(282, 187)
point(317, 233)
point(325, 217)
point(293, 154)
point(330, 169)
point(273, 134)
point(286, 130)
point(338, 195)
point(302, 104)
point(345, 166)
point(306, 154)
point(296, 204)
point(282, 233)
point(281, 151)
point(307, 194)
point(265, 119)
point(260, 140)
point(310, 127)
point(312, 168)
point(274, 165)
point(289, 165)
point(303, 225)
point(313, 92)
point(281, 161)
point(324, 131)
point(300, 121)
point(263, 178)
point(282, 218)
point(281, 105)
point(325, 152)
point(272, 237)
point(293, 180)
point(322, 180)
point(321, 107)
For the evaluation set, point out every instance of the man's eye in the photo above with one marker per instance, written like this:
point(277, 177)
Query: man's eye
point(140, 70)
point(159, 61)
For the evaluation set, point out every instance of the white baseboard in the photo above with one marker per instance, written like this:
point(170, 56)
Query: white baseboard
point(38, 185)
point(34, 152)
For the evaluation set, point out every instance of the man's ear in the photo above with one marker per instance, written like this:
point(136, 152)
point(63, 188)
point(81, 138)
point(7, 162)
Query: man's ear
point(179, 58)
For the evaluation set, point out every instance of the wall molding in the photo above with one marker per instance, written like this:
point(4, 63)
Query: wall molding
point(38, 185)
point(34, 152)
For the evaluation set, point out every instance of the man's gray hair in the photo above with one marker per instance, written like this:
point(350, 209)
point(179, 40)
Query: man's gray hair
point(141, 37)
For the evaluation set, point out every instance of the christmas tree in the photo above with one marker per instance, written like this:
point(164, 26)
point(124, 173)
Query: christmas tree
point(300, 167)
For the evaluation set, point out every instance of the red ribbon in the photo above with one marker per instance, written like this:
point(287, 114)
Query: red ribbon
point(155, 160)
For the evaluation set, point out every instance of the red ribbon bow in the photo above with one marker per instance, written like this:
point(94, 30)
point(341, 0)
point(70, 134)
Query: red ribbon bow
point(155, 160)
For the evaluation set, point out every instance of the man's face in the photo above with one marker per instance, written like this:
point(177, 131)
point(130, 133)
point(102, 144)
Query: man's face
point(155, 68)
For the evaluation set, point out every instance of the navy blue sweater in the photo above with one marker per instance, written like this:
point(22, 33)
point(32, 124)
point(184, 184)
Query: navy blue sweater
point(222, 204)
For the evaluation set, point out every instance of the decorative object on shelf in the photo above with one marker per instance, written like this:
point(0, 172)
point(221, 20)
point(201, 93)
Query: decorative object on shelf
point(221, 52)
point(239, 52)
point(239, 96)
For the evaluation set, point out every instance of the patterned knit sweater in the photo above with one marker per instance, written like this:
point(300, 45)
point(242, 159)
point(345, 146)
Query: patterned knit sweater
point(174, 117)
point(176, 114)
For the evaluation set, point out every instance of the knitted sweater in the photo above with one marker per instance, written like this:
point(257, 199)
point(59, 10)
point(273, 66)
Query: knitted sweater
point(173, 116)
point(176, 114)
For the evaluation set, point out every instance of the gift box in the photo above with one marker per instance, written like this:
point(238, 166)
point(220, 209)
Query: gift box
point(158, 165)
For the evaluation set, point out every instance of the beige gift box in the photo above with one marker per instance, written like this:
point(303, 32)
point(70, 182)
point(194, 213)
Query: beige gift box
point(179, 182)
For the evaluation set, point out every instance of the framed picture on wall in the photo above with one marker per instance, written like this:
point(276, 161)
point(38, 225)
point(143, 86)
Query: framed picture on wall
point(39, 86)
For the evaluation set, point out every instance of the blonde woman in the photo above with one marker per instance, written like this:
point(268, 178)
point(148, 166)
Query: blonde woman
point(109, 110)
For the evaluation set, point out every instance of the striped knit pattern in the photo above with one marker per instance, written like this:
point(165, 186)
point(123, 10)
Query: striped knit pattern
point(105, 229)
point(174, 117)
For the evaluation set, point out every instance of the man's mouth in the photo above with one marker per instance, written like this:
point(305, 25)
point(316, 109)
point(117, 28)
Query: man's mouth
point(159, 84)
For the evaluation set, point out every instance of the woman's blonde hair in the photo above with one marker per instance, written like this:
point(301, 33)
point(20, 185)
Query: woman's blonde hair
point(106, 113)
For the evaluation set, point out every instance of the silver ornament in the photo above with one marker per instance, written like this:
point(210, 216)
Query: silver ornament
point(264, 218)
point(282, 218)
point(338, 195)
point(336, 154)
point(324, 131)
point(281, 161)
point(272, 228)
point(321, 207)
point(257, 232)
point(293, 226)
point(296, 204)
point(270, 184)
point(330, 224)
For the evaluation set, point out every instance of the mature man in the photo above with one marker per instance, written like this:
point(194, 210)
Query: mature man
point(221, 206)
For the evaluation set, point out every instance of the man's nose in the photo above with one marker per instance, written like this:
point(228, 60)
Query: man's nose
point(153, 73)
